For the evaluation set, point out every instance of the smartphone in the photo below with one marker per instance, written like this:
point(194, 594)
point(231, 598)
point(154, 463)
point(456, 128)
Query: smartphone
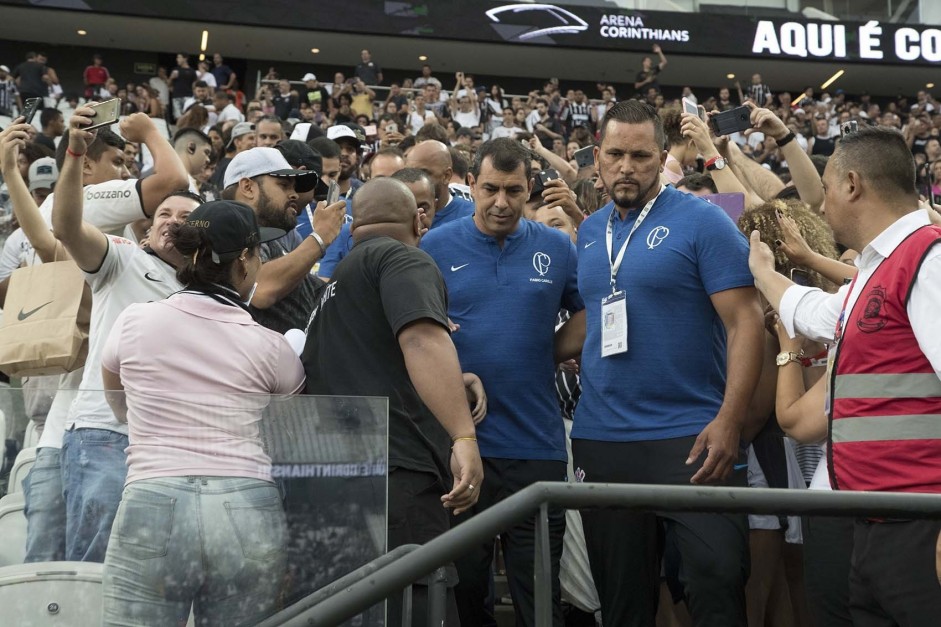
point(800, 276)
point(548, 175)
point(370, 131)
point(392, 128)
point(585, 157)
point(849, 127)
point(732, 121)
point(106, 113)
point(30, 108)
point(690, 107)
point(333, 193)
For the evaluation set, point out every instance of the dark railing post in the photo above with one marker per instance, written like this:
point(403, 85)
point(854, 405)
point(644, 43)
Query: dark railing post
point(542, 571)
point(438, 597)
point(407, 606)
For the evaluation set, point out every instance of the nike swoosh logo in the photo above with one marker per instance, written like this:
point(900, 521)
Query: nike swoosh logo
point(590, 243)
point(23, 315)
point(150, 278)
point(456, 268)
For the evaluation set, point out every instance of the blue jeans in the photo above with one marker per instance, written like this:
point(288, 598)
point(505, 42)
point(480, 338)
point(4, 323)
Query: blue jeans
point(94, 467)
point(216, 543)
point(45, 508)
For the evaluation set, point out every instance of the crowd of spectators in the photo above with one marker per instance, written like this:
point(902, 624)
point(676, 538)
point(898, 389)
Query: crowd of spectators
point(200, 127)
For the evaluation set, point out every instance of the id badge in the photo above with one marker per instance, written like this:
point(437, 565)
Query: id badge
point(831, 360)
point(614, 324)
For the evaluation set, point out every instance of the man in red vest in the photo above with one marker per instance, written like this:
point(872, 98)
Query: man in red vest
point(883, 401)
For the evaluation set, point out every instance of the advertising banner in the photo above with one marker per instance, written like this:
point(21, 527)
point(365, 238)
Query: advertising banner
point(541, 24)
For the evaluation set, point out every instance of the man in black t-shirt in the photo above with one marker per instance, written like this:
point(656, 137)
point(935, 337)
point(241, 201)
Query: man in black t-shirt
point(647, 77)
point(181, 83)
point(313, 92)
point(381, 329)
point(368, 70)
point(29, 78)
point(225, 77)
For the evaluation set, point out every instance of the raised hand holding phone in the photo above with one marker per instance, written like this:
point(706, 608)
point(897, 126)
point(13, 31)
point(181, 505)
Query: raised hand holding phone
point(79, 135)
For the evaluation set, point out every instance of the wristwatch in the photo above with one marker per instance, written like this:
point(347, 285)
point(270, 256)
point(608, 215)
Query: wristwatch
point(785, 358)
point(716, 163)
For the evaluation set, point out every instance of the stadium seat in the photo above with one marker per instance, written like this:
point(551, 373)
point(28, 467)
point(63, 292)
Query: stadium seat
point(24, 461)
point(51, 593)
point(32, 435)
point(12, 531)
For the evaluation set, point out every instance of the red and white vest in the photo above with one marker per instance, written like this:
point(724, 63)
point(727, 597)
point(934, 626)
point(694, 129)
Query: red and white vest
point(885, 405)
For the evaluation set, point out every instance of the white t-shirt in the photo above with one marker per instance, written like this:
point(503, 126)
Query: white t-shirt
point(503, 131)
point(108, 206)
point(127, 275)
point(230, 112)
point(467, 120)
point(416, 121)
point(532, 120)
point(17, 252)
point(162, 89)
point(208, 78)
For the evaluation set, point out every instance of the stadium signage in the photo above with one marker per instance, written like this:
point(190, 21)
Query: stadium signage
point(545, 24)
point(830, 41)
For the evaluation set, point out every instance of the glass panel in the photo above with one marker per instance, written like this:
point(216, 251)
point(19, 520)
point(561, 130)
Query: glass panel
point(258, 500)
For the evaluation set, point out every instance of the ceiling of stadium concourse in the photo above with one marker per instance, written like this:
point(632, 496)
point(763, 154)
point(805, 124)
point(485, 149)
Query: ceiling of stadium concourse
point(342, 51)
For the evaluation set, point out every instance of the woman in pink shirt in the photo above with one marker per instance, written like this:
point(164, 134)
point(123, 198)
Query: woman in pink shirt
point(200, 522)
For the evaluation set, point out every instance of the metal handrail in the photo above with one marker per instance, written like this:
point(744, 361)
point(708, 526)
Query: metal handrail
point(455, 543)
point(331, 589)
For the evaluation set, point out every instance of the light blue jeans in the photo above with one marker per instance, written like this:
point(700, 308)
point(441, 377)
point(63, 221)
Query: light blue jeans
point(94, 467)
point(216, 543)
point(45, 508)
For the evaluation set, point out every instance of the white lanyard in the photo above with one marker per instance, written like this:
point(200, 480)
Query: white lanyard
point(616, 263)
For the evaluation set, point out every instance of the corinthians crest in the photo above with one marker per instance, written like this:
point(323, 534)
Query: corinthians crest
point(873, 318)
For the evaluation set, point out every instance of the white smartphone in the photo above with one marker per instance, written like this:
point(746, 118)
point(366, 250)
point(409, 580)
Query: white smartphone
point(690, 107)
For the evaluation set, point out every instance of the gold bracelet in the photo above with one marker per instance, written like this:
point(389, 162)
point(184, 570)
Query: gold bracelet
point(470, 437)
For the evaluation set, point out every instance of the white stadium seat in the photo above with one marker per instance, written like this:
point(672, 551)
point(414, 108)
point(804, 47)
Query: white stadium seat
point(51, 593)
point(24, 461)
point(12, 530)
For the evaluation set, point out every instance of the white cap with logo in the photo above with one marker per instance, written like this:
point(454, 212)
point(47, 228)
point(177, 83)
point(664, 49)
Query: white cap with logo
point(267, 161)
point(43, 173)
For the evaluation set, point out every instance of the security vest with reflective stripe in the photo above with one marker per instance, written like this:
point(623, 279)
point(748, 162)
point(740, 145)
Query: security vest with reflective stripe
point(885, 416)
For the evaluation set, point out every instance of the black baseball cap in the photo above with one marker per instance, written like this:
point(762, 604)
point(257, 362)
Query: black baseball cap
point(231, 227)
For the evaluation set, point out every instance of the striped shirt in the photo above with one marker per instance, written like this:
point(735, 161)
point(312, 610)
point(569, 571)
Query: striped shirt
point(8, 94)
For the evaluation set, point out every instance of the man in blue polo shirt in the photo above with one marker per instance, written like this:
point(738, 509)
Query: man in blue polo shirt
point(507, 279)
point(435, 159)
point(671, 347)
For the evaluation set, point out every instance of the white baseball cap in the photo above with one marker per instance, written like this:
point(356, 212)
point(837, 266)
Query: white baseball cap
point(301, 129)
point(4, 68)
point(43, 174)
point(309, 77)
point(267, 161)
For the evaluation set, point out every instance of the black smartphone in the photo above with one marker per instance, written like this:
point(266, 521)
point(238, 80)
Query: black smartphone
point(585, 157)
point(732, 121)
point(800, 276)
point(548, 175)
point(30, 108)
